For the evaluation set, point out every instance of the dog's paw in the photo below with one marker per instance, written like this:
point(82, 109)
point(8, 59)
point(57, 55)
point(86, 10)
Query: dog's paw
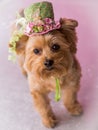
point(76, 109)
point(50, 122)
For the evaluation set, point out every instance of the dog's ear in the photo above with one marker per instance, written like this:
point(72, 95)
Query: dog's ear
point(20, 44)
point(68, 29)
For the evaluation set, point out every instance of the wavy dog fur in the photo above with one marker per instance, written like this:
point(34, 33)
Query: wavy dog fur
point(66, 67)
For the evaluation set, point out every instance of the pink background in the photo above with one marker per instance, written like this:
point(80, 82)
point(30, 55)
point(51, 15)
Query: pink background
point(86, 13)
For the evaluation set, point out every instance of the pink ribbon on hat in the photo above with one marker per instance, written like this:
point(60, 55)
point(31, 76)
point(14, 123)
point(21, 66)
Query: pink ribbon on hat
point(41, 26)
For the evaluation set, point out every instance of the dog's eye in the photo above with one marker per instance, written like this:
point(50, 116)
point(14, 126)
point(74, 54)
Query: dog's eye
point(55, 47)
point(36, 51)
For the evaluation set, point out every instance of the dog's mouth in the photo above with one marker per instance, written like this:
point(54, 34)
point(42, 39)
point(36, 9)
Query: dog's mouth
point(49, 68)
point(54, 71)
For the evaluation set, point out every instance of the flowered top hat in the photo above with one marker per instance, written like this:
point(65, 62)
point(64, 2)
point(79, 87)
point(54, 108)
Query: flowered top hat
point(40, 18)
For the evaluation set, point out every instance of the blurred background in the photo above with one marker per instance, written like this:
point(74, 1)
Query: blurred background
point(16, 107)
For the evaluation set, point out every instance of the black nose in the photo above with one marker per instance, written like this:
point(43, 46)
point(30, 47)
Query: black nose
point(48, 63)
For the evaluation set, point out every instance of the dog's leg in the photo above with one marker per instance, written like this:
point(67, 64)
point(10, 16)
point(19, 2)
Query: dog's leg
point(42, 104)
point(70, 100)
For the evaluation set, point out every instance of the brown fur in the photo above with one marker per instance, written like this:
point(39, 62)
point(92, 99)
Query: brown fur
point(66, 68)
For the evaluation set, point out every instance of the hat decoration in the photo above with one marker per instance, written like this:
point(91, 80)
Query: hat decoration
point(41, 27)
point(37, 19)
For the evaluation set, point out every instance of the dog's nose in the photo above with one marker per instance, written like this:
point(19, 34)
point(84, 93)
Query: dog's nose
point(48, 63)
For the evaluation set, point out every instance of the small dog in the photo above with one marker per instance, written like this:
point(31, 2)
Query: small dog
point(44, 57)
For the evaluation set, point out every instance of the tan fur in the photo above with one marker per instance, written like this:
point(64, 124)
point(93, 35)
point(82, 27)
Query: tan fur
point(66, 68)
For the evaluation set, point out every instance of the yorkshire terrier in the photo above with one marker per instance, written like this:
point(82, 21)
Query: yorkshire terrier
point(44, 57)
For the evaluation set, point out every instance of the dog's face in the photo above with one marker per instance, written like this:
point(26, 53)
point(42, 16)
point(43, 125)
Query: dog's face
point(50, 54)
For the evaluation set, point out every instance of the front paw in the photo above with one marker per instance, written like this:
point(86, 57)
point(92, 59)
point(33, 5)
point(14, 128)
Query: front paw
point(50, 122)
point(75, 109)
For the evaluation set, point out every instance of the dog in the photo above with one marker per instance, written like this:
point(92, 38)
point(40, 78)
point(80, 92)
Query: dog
point(44, 57)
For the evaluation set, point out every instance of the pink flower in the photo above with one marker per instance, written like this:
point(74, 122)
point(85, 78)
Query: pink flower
point(48, 21)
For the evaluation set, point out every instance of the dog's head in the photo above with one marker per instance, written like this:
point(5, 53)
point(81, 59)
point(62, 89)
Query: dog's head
point(50, 54)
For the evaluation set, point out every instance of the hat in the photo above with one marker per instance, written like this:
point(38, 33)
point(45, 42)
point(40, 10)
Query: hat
point(40, 19)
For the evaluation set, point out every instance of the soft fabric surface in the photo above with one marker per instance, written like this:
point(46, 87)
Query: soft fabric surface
point(16, 107)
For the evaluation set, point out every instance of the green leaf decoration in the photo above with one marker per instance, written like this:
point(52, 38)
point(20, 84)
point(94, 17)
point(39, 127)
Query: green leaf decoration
point(12, 50)
point(58, 93)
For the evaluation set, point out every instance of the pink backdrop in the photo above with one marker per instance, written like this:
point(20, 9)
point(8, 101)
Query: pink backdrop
point(86, 13)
